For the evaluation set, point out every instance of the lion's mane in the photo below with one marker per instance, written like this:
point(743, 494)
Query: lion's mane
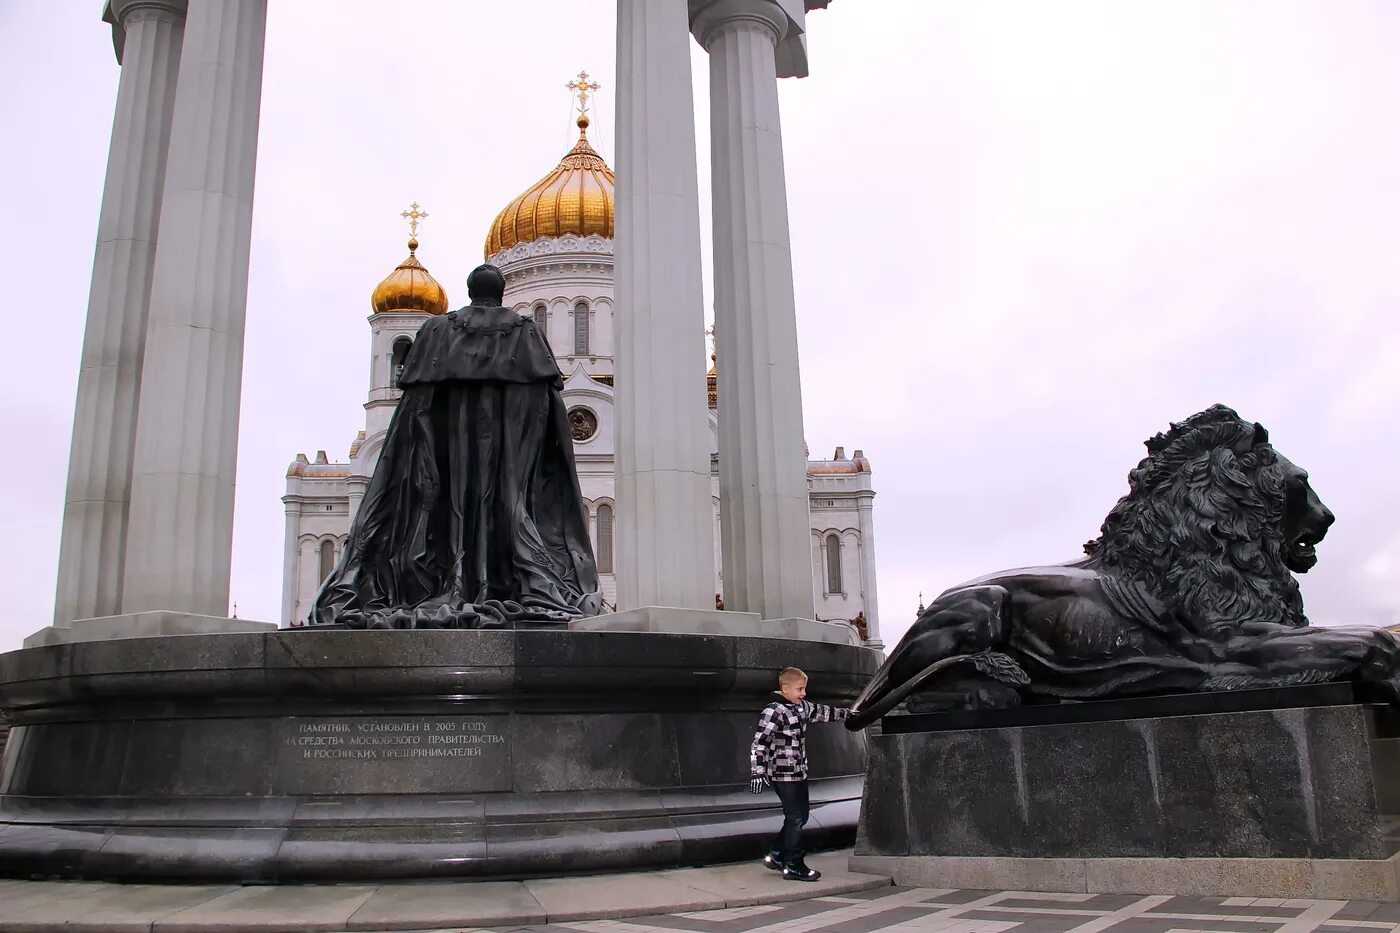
point(1202, 526)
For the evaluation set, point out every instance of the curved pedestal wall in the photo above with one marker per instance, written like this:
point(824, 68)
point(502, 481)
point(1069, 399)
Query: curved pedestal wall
point(392, 754)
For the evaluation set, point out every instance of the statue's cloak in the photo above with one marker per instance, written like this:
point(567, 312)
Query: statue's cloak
point(473, 518)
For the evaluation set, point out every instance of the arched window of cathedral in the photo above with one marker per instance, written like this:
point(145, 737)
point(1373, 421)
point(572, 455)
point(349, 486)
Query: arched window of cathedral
point(541, 316)
point(605, 536)
point(581, 329)
point(397, 359)
point(833, 564)
point(327, 559)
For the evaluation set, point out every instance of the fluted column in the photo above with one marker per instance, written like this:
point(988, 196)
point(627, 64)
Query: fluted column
point(91, 549)
point(181, 522)
point(765, 533)
point(665, 543)
point(290, 554)
point(865, 518)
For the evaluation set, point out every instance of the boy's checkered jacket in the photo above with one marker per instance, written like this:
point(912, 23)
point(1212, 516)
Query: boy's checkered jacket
point(779, 750)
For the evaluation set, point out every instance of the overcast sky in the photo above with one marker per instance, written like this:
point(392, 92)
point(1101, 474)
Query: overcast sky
point(1026, 236)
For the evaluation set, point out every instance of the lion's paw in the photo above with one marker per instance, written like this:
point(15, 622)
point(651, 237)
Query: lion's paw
point(1000, 667)
point(1387, 690)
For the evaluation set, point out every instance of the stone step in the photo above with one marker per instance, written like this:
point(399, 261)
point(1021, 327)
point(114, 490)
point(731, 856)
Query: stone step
point(91, 907)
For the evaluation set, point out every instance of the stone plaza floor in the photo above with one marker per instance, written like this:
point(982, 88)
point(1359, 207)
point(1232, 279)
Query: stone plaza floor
point(719, 899)
point(925, 910)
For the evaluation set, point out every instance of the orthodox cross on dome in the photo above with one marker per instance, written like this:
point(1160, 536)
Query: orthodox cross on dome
point(413, 215)
point(712, 377)
point(583, 87)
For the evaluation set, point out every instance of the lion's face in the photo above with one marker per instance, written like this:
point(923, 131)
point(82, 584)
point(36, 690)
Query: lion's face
point(1305, 518)
point(1215, 524)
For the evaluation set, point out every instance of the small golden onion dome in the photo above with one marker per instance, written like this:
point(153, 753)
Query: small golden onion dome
point(409, 288)
point(577, 197)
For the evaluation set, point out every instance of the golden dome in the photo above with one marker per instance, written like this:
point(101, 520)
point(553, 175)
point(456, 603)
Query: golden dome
point(577, 197)
point(409, 288)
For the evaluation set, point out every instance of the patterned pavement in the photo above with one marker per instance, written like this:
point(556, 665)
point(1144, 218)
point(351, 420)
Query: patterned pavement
point(926, 910)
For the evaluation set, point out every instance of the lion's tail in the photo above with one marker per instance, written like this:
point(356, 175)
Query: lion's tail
point(862, 716)
point(872, 692)
point(993, 663)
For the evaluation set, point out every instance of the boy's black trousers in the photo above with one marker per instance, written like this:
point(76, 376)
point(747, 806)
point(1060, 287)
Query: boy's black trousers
point(787, 845)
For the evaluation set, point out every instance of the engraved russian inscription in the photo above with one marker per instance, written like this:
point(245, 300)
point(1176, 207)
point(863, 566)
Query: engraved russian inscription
point(388, 741)
point(460, 752)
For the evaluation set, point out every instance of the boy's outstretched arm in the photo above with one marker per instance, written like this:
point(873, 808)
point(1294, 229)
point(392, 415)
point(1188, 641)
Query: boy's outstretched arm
point(822, 713)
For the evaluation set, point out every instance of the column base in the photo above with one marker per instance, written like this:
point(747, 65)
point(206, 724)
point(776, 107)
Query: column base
point(673, 621)
point(142, 625)
point(835, 633)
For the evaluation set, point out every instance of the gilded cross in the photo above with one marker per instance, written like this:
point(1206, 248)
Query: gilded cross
point(413, 215)
point(583, 87)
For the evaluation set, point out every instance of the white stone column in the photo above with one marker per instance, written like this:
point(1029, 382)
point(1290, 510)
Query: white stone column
point(762, 467)
point(865, 517)
point(92, 546)
point(357, 485)
point(664, 539)
point(290, 554)
point(181, 522)
point(308, 575)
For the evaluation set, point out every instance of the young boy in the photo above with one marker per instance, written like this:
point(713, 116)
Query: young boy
point(779, 755)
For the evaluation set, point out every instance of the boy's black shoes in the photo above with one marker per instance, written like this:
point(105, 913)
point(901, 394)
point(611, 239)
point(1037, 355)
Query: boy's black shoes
point(800, 872)
point(773, 862)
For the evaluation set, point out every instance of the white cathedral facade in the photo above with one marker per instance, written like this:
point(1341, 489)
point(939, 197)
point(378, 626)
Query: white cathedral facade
point(554, 244)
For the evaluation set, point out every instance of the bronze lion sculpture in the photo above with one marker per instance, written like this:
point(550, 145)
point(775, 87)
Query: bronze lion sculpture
point(1189, 587)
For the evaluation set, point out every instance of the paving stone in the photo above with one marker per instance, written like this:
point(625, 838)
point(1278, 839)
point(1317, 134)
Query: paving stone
point(1356, 910)
point(605, 896)
point(17, 895)
point(1020, 874)
point(421, 906)
point(85, 907)
point(732, 920)
point(286, 909)
point(745, 884)
point(684, 901)
point(1386, 913)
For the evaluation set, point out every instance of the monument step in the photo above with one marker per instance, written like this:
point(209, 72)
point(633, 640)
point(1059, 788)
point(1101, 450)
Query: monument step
point(33, 906)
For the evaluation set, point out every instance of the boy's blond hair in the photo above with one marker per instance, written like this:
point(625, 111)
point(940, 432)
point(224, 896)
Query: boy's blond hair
point(790, 675)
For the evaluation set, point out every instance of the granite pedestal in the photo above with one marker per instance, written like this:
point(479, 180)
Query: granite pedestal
point(1272, 793)
point(359, 755)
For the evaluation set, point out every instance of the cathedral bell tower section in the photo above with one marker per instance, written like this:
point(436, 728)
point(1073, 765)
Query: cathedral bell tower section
point(400, 305)
point(322, 496)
